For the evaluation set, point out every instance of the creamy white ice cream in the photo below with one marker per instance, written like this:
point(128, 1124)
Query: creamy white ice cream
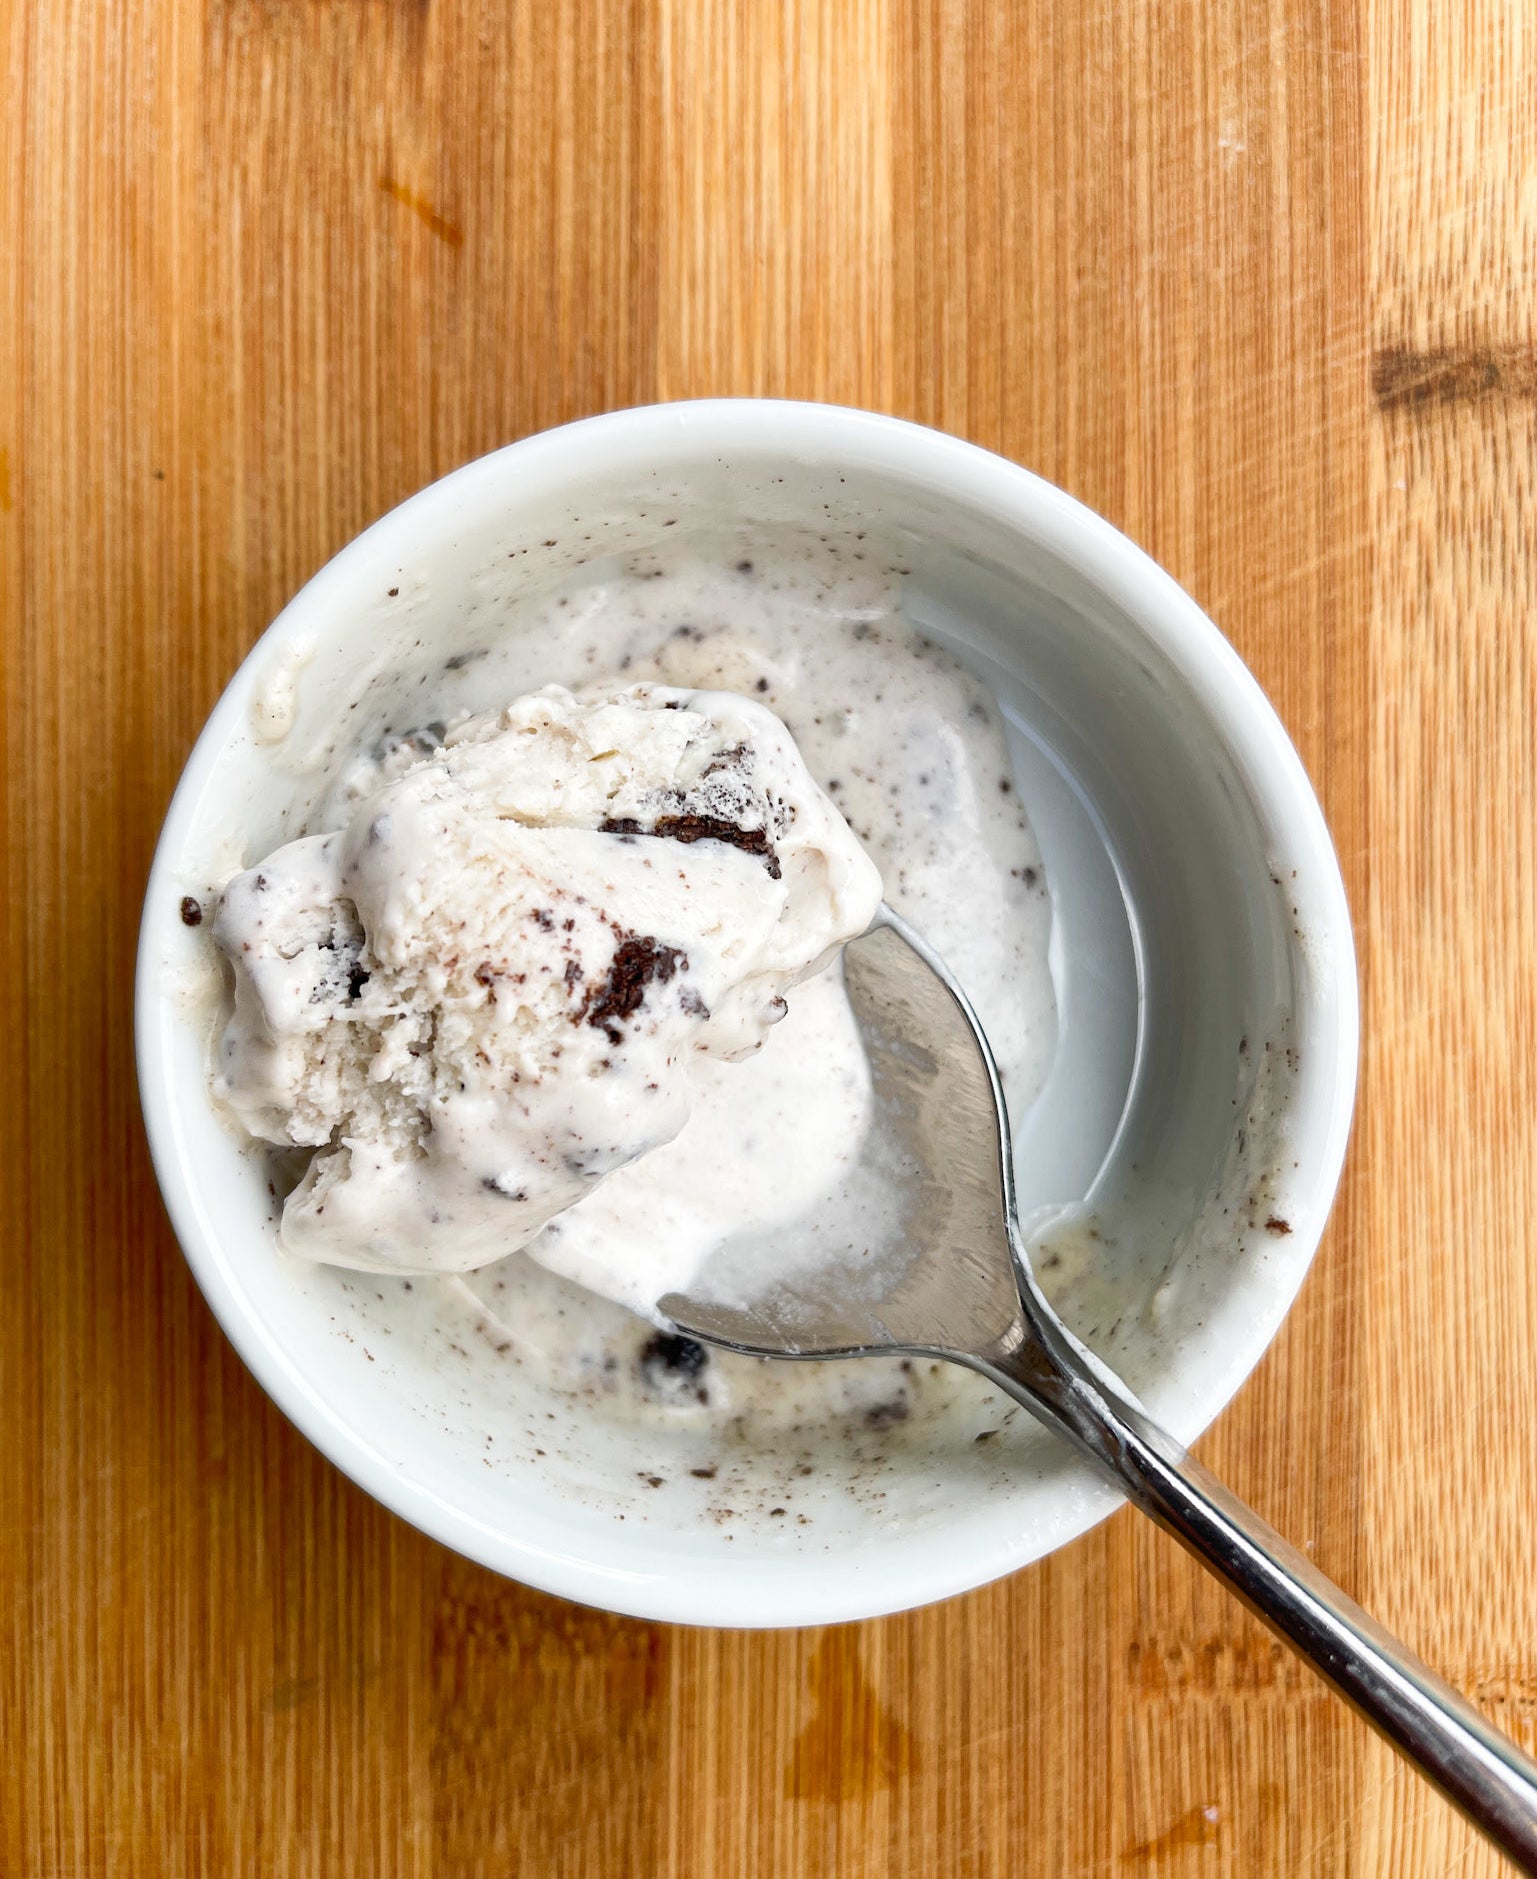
point(520, 963)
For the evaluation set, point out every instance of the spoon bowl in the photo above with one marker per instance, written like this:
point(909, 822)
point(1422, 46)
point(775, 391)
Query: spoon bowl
point(942, 1112)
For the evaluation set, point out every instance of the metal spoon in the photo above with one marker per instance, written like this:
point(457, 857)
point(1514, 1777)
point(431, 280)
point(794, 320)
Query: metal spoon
point(971, 1297)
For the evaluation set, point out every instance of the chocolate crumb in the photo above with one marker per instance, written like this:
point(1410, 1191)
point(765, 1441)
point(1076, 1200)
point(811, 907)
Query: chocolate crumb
point(1275, 1224)
point(357, 978)
point(703, 1474)
point(191, 912)
point(775, 1511)
point(652, 1480)
point(744, 567)
point(668, 1354)
point(761, 686)
point(638, 959)
point(493, 1184)
point(883, 1415)
point(701, 828)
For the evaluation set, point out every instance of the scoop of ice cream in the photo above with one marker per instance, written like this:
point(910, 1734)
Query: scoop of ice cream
point(493, 986)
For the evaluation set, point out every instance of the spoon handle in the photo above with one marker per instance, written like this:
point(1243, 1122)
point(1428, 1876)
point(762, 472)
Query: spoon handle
point(1478, 1769)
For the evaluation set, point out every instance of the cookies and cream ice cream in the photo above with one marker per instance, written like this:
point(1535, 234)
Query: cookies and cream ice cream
point(781, 1163)
point(514, 969)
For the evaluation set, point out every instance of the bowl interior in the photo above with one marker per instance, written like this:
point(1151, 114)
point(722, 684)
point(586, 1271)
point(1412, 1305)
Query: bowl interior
point(1177, 1168)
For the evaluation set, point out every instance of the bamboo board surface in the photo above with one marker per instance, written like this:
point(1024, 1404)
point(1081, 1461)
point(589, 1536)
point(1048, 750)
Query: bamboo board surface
point(1255, 278)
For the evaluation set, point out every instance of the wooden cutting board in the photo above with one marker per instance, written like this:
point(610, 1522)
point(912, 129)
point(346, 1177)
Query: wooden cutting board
point(1255, 278)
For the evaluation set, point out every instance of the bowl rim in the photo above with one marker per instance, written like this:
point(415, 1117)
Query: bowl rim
point(622, 1575)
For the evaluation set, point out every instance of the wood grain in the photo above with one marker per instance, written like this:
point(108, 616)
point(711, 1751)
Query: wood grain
point(1255, 279)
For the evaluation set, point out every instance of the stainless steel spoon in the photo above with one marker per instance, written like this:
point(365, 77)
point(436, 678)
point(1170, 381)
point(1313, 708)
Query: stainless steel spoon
point(970, 1296)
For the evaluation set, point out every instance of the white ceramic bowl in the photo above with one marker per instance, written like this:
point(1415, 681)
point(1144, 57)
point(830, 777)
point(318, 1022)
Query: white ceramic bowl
point(1206, 983)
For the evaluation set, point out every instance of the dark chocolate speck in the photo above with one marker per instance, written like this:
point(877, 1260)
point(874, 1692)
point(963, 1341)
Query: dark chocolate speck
point(668, 1354)
point(494, 1184)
